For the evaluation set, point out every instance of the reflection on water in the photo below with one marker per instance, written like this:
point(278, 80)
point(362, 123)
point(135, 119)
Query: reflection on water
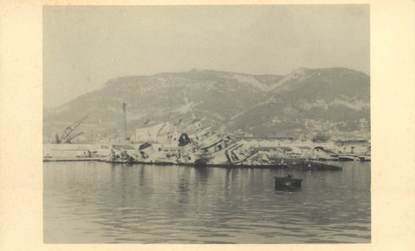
point(89, 202)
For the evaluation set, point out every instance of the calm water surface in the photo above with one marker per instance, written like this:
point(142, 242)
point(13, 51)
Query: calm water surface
point(88, 202)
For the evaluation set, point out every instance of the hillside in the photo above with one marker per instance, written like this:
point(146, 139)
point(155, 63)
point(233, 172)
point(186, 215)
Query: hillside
point(304, 101)
point(331, 100)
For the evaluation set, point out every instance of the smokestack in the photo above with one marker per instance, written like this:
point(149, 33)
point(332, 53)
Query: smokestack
point(124, 111)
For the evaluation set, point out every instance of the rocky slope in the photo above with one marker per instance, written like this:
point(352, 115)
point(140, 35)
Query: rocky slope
point(302, 102)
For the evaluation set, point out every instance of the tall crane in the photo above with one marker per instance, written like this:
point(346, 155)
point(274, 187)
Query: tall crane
point(67, 136)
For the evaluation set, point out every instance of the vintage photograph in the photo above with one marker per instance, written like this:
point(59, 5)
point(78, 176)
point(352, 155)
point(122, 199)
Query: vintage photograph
point(239, 124)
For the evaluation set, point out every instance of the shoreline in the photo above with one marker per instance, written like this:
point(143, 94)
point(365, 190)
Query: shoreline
point(300, 165)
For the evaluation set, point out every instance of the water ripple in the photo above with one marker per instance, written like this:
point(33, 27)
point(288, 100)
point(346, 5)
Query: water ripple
point(103, 203)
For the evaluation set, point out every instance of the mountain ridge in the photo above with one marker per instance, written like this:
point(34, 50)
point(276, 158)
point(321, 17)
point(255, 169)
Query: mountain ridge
point(240, 102)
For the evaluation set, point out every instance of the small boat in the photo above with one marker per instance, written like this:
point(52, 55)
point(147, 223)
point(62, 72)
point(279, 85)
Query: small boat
point(347, 157)
point(364, 158)
point(287, 183)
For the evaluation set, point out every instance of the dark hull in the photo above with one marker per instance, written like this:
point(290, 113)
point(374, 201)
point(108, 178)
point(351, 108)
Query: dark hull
point(287, 184)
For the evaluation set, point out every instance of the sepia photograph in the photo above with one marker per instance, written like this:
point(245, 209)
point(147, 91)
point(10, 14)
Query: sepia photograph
point(206, 124)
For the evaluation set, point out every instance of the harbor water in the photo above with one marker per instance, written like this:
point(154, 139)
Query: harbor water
point(95, 202)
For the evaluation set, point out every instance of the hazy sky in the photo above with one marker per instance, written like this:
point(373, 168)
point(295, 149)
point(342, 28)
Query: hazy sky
point(86, 46)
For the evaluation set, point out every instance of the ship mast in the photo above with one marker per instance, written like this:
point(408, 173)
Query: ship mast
point(124, 111)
